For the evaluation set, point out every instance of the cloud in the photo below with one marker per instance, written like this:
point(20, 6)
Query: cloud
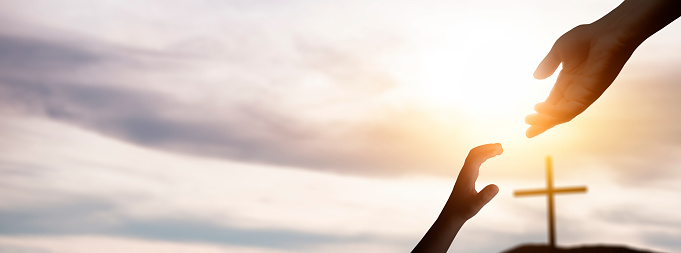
point(80, 243)
point(110, 244)
point(21, 54)
point(247, 133)
point(89, 184)
point(151, 195)
point(23, 249)
point(318, 100)
point(186, 127)
point(248, 129)
point(88, 218)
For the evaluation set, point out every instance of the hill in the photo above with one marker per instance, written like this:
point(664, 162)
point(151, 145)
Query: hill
point(542, 248)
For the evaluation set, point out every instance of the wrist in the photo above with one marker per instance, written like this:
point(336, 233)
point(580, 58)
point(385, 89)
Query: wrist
point(623, 33)
point(449, 224)
point(451, 214)
point(632, 22)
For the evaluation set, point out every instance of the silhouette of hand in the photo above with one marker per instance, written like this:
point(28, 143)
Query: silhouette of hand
point(592, 57)
point(465, 201)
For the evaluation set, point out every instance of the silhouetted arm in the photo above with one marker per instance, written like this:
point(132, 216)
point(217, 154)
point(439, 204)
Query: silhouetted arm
point(593, 55)
point(463, 203)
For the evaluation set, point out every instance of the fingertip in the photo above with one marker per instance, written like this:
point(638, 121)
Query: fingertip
point(539, 75)
point(535, 130)
point(547, 66)
point(543, 121)
point(528, 118)
point(485, 147)
point(544, 70)
point(550, 109)
point(488, 193)
point(539, 119)
point(494, 189)
point(498, 148)
point(492, 193)
point(539, 106)
point(480, 154)
point(531, 132)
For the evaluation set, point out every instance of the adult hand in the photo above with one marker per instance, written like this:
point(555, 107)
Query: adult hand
point(591, 60)
point(593, 55)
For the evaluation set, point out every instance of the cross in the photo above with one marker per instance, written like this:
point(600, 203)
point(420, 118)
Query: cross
point(549, 192)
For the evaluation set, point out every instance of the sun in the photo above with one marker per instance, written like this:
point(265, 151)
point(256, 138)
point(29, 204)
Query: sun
point(482, 72)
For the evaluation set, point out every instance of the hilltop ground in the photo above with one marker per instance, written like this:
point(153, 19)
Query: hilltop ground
point(542, 248)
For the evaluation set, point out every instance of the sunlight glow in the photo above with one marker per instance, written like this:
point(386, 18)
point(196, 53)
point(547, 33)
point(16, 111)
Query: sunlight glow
point(481, 71)
point(482, 74)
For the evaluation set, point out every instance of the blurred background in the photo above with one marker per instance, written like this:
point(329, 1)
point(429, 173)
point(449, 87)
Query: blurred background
point(317, 126)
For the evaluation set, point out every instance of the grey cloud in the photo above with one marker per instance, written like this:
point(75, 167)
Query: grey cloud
point(253, 131)
point(63, 219)
point(669, 240)
point(133, 116)
point(656, 230)
point(18, 53)
point(249, 133)
point(188, 231)
point(21, 249)
point(632, 215)
point(259, 130)
point(77, 219)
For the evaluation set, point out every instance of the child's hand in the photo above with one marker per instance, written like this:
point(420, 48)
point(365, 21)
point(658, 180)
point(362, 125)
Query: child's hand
point(463, 204)
point(465, 201)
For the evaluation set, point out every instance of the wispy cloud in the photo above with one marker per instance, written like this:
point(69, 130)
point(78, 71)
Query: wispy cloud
point(248, 128)
point(223, 126)
point(85, 183)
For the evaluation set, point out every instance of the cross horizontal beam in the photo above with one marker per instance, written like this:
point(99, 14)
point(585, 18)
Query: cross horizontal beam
point(576, 189)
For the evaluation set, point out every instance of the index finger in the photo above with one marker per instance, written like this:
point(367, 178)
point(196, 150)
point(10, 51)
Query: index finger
point(471, 167)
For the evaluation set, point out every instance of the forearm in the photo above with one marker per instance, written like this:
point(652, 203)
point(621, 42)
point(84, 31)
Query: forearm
point(440, 235)
point(634, 21)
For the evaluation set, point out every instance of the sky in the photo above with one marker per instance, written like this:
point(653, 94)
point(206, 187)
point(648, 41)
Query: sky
point(317, 126)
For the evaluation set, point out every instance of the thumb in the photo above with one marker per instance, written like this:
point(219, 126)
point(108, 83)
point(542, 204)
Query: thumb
point(478, 155)
point(485, 195)
point(548, 65)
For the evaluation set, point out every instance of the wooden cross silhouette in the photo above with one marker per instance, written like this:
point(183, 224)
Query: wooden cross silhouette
point(549, 192)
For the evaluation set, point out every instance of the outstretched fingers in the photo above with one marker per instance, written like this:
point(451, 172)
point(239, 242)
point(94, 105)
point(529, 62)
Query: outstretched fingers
point(548, 65)
point(557, 109)
point(549, 115)
point(471, 168)
point(535, 130)
point(481, 153)
point(542, 121)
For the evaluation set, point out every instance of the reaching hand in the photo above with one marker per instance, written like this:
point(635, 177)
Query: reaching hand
point(463, 203)
point(592, 59)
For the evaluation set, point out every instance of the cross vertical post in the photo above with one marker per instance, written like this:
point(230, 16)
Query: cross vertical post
point(550, 191)
point(549, 199)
